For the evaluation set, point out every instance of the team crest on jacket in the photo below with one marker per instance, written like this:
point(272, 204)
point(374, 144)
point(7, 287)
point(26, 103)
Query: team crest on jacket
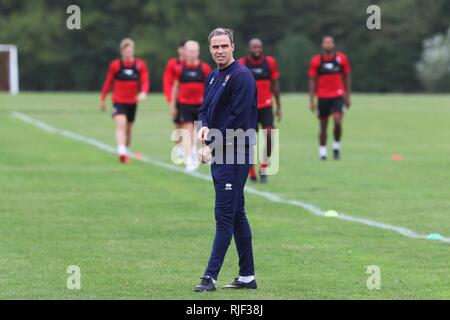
point(227, 77)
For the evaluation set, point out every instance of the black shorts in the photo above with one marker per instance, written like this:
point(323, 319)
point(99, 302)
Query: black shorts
point(186, 113)
point(129, 110)
point(265, 117)
point(328, 106)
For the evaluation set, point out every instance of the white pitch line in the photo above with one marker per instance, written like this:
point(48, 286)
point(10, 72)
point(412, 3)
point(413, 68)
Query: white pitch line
point(267, 195)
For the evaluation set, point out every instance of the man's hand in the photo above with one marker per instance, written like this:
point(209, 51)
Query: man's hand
point(173, 112)
point(312, 106)
point(102, 106)
point(347, 101)
point(204, 154)
point(278, 114)
point(141, 96)
point(203, 134)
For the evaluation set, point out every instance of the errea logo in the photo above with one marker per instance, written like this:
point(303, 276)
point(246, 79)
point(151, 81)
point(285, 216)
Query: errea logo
point(228, 187)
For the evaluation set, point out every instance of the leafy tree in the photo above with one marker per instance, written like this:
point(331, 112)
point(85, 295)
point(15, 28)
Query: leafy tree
point(434, 67)
point(51, 57)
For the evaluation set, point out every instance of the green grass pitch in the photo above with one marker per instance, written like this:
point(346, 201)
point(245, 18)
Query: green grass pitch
point(142, 232)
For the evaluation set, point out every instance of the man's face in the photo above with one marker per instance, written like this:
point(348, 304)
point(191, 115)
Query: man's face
point(127, 53)
point(191, 53)
point(221, 50)
point(255, 49)
point(328, 44)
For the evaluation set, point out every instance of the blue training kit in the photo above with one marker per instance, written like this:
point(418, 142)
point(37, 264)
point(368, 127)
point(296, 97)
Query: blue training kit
point(230, 103)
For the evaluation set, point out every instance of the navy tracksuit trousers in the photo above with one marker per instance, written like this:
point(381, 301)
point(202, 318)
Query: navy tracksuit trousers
point(231, 220)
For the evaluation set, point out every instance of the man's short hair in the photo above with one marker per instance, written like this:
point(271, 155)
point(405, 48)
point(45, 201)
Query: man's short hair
point(253, 40)
point(127, 42)
point(182, 43)
point(192, 43)
point(220, 32)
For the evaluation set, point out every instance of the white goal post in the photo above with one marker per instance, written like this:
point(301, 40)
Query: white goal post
point(9, 69)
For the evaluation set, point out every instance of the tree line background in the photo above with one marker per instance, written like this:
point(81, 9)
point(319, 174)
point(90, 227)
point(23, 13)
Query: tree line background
point(51, 57)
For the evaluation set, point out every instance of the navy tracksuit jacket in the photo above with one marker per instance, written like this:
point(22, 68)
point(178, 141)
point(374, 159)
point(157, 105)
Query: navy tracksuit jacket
point(230, 103)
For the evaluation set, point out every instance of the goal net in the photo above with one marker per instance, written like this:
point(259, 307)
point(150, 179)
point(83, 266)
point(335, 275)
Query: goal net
point(9, 69)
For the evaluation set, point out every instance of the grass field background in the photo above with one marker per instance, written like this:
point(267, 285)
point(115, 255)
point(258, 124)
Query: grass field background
point(142, 232)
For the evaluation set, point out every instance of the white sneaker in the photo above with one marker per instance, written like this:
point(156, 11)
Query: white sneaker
point(191, 167)
point(191, 164)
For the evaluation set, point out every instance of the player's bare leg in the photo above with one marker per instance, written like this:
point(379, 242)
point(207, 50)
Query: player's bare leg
point(121, 137)
point(179, 144)
point(191, 163)
point(252, 174)
point(323, 138)
point(267, 154)
point(337, 116)
point(129, 130)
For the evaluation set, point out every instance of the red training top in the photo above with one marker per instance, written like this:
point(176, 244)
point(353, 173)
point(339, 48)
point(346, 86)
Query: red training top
point(127, 79)
point(192, 82)
point(265, 70)
point(329, 70)
point(169, 77)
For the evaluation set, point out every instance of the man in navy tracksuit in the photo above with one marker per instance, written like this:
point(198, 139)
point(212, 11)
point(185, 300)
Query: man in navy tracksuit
point(229, 103)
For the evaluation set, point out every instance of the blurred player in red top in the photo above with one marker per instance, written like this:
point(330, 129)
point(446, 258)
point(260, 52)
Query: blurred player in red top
point(169, 71)
point(168, 80)
point(129, 79)
point(187, 96)
point(266, 73)
point(329, 80)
